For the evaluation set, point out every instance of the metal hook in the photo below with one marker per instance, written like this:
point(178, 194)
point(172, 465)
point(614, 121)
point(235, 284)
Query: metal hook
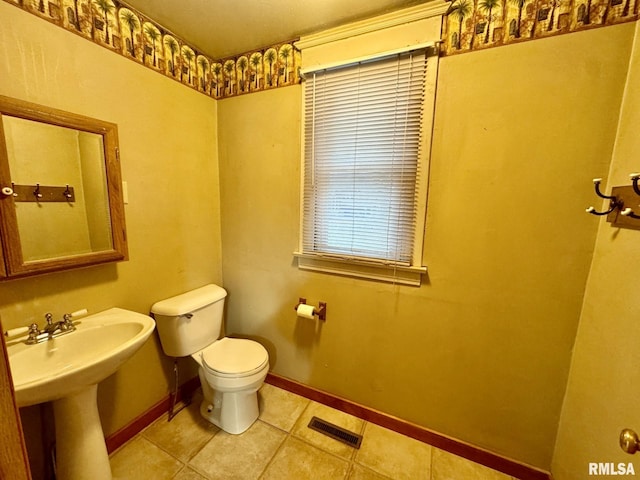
point(36, 192)
point(67, 193)
point(634, 178)
point(613, 201)
point(596, 182)
point(627, 212)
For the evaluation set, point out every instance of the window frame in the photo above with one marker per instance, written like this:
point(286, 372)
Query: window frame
point(380, 270)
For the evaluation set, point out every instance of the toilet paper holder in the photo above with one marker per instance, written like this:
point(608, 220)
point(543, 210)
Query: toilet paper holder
point(321, 311)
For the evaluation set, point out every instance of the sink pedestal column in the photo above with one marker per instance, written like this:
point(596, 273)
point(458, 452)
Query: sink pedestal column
point(81, 452)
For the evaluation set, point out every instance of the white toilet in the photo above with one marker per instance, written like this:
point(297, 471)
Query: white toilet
point(231, 369)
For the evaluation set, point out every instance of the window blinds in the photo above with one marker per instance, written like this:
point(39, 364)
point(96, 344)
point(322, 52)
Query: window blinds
point(361, 149)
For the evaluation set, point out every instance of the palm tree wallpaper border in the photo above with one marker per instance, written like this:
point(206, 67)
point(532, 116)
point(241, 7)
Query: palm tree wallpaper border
point(468, 25)
point(122, 29)
point(478, 24)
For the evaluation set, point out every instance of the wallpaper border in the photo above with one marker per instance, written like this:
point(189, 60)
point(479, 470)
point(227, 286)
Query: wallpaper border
point(468, 25)
point(478, 24)
point(115, 25)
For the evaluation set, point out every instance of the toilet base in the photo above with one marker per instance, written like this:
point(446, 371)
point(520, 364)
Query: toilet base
point(233, 412)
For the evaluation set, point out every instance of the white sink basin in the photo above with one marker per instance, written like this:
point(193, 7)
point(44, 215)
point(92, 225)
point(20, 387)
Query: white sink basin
point(67, 370)
point(61, 366)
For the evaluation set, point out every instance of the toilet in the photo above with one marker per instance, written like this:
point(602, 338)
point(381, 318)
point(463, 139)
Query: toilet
point(231, 370)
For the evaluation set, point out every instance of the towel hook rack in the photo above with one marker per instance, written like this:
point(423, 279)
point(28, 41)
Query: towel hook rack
point(42, 193)
point(622, 201)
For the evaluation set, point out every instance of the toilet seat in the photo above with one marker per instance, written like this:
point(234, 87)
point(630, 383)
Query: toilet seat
point(234, 358)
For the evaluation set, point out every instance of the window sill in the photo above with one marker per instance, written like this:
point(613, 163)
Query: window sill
point(401, 275)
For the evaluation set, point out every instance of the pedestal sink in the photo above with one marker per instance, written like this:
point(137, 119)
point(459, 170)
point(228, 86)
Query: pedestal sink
point(66, 370)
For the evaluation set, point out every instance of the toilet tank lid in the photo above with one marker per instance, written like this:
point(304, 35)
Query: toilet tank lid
point(189, 301)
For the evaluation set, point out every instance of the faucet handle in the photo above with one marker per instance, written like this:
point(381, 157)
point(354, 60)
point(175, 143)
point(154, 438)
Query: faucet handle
point(72, 315)
point(67, 320)
point(66, 324)
point(33, 334)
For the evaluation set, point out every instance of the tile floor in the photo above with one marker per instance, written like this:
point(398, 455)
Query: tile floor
point(280, 446)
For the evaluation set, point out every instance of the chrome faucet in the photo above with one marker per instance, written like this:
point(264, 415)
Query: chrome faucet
point(51, 329)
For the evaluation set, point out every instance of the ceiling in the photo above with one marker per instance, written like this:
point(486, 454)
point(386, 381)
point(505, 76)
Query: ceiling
point(222, 28)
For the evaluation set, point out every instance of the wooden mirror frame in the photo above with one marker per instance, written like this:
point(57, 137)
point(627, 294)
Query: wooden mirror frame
point(12, 264)
point(14, 462)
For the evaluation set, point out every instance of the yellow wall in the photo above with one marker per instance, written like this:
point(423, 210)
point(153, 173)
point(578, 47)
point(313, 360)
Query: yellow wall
point(603, 387)
point(481, 351)
point(168, 150)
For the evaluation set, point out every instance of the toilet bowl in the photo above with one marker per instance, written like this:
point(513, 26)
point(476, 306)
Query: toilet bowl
point(231, 370)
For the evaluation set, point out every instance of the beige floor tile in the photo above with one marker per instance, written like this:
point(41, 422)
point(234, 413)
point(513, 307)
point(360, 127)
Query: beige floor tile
point(446, 466)
point(266, 452)
point(394, 455)
point(279, 407)
point(187, 474)
point(142, 459)
point(243, 456)
point(331, 415)
point(358, 472)
point(300, 461)
point(184, 435)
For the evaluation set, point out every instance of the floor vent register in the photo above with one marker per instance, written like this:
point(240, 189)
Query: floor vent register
point(345, 436)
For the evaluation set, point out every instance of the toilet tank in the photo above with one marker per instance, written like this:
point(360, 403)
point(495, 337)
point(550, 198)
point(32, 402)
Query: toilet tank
point(189, 322)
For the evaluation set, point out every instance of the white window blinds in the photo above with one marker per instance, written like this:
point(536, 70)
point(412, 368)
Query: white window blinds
point(362, 149)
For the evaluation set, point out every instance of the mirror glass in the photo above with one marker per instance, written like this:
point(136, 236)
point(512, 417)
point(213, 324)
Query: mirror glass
point(60, 157)
point(61, 202)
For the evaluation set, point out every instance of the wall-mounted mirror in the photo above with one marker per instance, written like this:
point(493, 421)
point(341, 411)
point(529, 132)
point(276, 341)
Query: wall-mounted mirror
point(60, 190)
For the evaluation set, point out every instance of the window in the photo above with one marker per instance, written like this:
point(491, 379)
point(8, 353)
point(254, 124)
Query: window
point(364, 181)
